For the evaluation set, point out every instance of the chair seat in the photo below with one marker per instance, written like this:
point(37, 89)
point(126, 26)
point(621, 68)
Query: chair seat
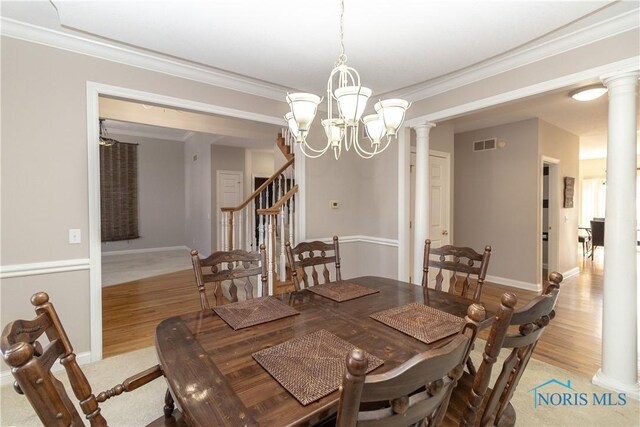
point(459, 402)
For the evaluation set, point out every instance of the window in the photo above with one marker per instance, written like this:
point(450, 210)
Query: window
point(119, 192)
point(593, 199)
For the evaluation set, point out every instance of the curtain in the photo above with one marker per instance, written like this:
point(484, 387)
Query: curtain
point(119, 192)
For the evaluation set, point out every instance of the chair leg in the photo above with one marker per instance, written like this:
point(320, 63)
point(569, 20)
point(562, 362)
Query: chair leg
point(169, 405)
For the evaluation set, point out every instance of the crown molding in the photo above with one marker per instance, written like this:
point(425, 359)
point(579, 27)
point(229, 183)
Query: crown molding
point(97, 49)
point(576, 39)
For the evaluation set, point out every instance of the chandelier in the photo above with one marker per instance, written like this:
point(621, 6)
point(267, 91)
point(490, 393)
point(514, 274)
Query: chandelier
point(348, 101)
point(104, 138)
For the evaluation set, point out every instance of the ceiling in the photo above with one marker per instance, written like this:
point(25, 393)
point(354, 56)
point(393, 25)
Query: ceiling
point(397, 46)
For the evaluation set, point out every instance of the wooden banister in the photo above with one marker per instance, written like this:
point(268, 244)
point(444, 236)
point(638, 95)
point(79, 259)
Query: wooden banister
point(275, 209)
point(259, 189)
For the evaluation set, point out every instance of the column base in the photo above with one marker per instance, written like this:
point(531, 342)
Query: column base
point(603, 380)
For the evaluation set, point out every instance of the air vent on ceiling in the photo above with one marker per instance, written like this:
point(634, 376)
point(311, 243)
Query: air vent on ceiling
point(485, 144)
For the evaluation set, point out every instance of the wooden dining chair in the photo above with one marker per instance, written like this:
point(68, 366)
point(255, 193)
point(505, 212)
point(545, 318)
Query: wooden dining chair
point(462, 262)
point(307, 256)
point(31, 364)
point(229, 266)
point(597, 234)
point(417, 390)
point(473, 403)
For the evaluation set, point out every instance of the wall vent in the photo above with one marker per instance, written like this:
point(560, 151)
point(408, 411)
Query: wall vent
point(485, 144)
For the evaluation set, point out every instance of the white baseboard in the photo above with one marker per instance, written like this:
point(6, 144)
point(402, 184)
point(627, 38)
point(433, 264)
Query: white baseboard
point(82, 358)
point(514, 283)
point(33, 269)
point(569, 273)
point(141, 251)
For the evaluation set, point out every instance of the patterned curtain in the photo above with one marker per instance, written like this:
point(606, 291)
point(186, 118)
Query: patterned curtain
point(119, 192)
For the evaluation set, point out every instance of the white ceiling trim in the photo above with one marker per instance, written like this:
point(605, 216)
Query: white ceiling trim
point(599, 31)
point(35, 34)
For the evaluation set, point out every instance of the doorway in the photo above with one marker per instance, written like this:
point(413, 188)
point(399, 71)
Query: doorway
point(228, 193)
point(94, 92)
point(549, 217)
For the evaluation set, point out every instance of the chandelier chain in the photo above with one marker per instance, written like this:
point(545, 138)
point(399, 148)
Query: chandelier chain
point(342, 58)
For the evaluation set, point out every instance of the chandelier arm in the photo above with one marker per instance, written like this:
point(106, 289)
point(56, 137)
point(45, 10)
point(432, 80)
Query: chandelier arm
point(309, 147)
point(317, 154)
point(369, 154)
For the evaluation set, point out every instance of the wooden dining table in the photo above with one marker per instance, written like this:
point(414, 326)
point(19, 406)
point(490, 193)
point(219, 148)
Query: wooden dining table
point(215, 380)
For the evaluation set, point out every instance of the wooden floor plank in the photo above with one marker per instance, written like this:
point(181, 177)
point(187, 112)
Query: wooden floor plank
point(131, 312)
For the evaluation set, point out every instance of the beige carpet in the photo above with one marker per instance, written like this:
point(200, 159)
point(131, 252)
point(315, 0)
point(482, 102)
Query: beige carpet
point(145, 405)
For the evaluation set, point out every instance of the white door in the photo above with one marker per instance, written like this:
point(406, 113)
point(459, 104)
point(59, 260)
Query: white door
point(439, 201)
point(229, 194)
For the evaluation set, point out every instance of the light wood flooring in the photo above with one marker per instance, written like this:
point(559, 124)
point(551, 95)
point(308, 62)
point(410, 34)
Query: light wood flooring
point(132, 310)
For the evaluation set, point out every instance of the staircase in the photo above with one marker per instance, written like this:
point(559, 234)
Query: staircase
point(266, 217)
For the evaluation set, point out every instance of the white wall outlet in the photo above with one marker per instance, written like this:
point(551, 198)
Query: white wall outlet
point(74, 236)
point(334, 204)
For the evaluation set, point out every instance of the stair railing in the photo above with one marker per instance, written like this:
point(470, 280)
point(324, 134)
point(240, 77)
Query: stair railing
point(279, 216)
point(239, 221)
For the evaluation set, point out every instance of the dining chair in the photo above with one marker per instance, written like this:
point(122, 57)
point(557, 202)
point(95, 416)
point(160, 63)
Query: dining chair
point(597, 234)
point(417, 390)
point(229, 266)
point(462, 262)
point(473, 403)
point(306, 256)
point(585, 240)
point(31, 365)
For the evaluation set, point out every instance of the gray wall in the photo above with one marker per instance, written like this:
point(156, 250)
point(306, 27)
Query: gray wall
point(161, 195)
point(197, 170)
point(498, 194)
point(496, 198)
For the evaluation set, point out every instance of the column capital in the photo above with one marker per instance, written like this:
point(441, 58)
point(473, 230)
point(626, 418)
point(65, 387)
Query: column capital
point(425, 125)
point(624, 77)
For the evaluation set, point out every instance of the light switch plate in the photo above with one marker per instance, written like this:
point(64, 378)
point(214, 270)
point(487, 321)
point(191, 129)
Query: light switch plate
point(334, 204)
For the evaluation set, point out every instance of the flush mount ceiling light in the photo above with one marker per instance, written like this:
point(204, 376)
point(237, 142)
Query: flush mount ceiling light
point(350, 102)
point(588, 93)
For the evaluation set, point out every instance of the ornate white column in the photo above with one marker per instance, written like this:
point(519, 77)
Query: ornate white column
point(619, 369)
point(421, 208)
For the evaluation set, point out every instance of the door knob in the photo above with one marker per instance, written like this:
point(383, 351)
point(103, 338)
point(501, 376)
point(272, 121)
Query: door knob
point(445, 233)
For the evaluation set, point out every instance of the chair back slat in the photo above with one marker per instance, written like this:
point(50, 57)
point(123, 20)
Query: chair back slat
point(418, 389)
point(462, 263)
point(305, 259)
point(229, 266)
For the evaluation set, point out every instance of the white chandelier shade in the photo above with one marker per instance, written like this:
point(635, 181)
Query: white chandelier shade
point(391, 112)
point(351, 102)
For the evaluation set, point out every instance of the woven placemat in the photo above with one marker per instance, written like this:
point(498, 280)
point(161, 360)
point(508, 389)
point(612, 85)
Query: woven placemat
point(422, 322)
point(342, 291)
point(251, 312)
point(310, 367)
